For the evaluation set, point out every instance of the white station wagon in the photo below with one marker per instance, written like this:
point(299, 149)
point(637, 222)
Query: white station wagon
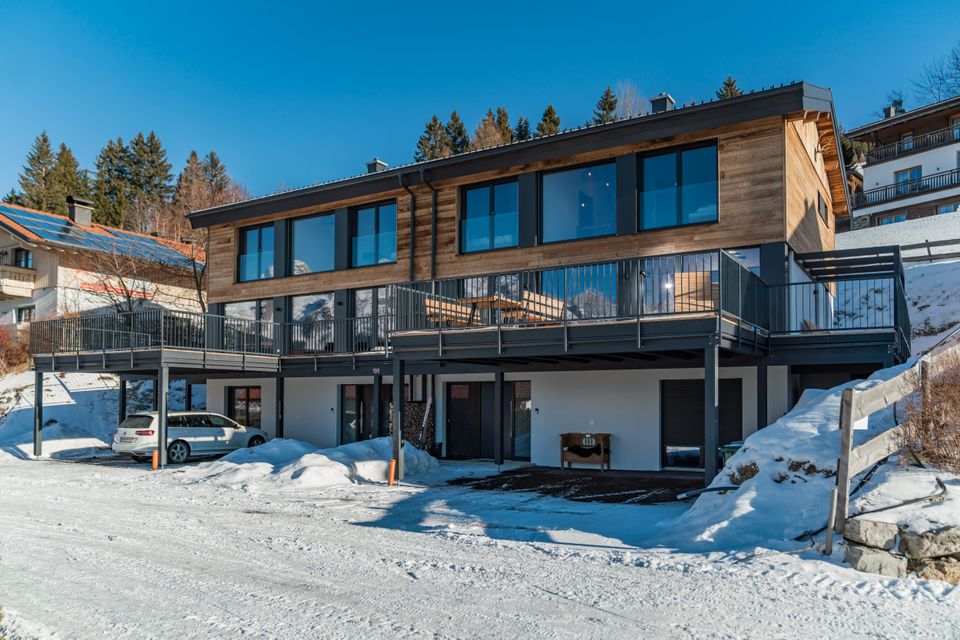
point(189, 433)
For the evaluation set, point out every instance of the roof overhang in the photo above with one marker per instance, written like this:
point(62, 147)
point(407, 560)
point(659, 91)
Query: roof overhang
point(903, 118)
point(792, 98)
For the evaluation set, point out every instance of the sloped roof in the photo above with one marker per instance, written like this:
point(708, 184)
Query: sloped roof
point(56, 231)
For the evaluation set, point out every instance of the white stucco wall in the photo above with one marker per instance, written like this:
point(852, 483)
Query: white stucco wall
point(778, 393)
point(933, 161)
point(312, 408)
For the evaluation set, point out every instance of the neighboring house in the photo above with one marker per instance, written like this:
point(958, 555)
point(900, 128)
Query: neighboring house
point(53, 265)
point(912, 169)
point(668, 279)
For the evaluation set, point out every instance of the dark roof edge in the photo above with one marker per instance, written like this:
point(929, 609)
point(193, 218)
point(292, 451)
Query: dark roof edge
point(883, 123)
point(799, 96)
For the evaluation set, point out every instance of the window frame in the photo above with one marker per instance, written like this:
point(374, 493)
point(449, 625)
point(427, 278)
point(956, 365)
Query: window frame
point(573, 167)
point(678, 151)
point(288, 243)
point(32, 309)
point(462, 214)
point(891, 218)
point(28, 262)
point(352, 229)
point(231, 403)
point(241, 245)
point(823, 209)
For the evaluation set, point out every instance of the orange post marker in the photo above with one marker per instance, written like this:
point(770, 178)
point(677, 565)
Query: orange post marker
point(156, 459)
point(391, 472)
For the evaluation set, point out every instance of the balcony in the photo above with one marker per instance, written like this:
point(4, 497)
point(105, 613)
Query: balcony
point(907, 189)
point(685, 296)
point(16, 282)
point(914, 145)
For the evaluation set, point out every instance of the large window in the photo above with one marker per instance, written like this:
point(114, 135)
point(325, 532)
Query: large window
point(23, 258)
point(256, 253)
point(374, 235)
point(579, 203)
point(244, 405)
point(906, 180)
point(679, 187)
point(312, 307)
point(312, 242)
point(261, 310)
point(241, 336)
point(489, 218)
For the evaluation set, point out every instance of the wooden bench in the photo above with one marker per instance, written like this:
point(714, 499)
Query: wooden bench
point(449, 313)
point(585, 448)
point(535, 307)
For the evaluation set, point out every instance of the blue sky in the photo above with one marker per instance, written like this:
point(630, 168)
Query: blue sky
point(291, 95)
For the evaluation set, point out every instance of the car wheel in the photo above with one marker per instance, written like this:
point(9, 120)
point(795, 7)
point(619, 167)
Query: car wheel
point(178, 452)
point(255, 441)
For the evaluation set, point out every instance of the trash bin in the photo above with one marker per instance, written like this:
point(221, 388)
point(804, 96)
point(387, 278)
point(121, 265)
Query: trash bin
point(727, 450)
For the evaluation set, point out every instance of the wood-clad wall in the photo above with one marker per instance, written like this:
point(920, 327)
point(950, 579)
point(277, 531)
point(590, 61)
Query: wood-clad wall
point(753, 199)
point(805, 177)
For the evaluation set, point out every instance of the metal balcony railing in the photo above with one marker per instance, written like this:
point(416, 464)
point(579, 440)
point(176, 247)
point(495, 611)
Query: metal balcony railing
point(908, 188)
point(917, 143)
point(707, 283)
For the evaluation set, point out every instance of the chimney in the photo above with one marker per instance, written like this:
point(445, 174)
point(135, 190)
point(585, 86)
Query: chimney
point(889, 112)
point(376, 165)
point(661, 103)
point(80, 211)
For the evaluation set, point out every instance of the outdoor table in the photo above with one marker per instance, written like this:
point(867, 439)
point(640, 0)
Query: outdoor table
point(493, 301)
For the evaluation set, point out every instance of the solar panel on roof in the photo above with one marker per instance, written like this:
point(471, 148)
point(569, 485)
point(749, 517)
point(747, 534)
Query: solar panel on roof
point(56, 229)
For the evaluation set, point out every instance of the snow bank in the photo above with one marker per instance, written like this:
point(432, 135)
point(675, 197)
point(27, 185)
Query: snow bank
point(293, 464)
point(786, 473)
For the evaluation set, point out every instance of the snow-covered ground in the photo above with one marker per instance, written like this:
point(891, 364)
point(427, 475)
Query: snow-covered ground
point(113, 550)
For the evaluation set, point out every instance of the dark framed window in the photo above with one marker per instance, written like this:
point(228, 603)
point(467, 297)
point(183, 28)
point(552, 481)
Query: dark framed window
point(312, 244)
point(679, 187)
point(245, 405)
point(489, 217)
point(23, 258)
point(25, 314)
point(255, 257)
point(579, 203)
point(241, 336)
point(373, 234)
point(822, 208)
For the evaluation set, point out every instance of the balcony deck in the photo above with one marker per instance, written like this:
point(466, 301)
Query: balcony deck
point(16, 282)
point(907, 189)
point(645, 310)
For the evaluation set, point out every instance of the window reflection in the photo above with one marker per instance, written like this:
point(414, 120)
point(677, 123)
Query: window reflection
point(579, 203)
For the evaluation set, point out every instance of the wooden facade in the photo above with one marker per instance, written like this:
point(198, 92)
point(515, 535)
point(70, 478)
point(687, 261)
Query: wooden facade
point(771, 170)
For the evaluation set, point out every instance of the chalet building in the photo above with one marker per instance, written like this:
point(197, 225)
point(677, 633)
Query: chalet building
point(53, 266)
point(669, 280)
point(912, 169)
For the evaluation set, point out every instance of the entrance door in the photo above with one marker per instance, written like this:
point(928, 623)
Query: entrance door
point(464, 432)
point(356, 412)
point(681, 420)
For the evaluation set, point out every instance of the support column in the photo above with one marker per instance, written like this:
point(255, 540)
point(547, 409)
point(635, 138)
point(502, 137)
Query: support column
point(280, 397)
point(187, 395)
point(379, 428)
point(498, 417)
point(761, 395)
point(156, 394)
point(122, 410)
point(160, 396)
point(398, 413)
point(711, 414)
point(38, 414)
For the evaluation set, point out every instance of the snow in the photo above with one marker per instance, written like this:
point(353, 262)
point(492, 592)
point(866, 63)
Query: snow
point(934, 306)
point(298, 465)
point(940, 227)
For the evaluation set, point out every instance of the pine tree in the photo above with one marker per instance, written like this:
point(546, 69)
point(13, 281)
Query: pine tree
point(522, 130)
point(67, 179)
point(35, 184)
point(503, 124)
point(112, 188)
point(13, 198)
point(487, 134)
point(433, 143)
point(606, 109)
point(150, 171)
point(191, 182)
point(214, 172)
point(549, 123)
point(729, 89)
point(457, 134)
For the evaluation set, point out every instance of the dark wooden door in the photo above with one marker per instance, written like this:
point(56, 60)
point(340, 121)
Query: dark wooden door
point(681, 419)
point(464, 426)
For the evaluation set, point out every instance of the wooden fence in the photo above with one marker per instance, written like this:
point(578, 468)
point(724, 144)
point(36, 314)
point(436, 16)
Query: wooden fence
point(927, 255)
point(859, 405)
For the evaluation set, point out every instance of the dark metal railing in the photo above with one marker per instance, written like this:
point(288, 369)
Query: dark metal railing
point(917, 143)
point(153, 328)
point(907, 188)
point(707, 283)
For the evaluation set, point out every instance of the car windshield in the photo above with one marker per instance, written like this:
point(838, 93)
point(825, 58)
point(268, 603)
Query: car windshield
point(137, 422)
